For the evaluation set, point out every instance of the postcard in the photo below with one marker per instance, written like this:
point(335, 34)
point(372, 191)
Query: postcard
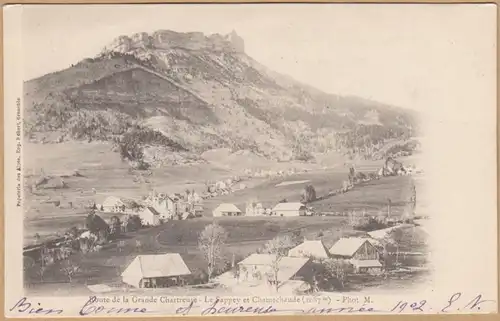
point(250, 159)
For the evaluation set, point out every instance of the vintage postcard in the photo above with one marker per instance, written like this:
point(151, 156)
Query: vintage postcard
point(265, 159)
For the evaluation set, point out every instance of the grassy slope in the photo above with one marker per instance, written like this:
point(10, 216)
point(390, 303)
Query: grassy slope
point(108, 175)
point(246, 235)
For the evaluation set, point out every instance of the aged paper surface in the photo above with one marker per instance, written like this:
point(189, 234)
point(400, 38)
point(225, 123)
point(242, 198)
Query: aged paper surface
point(250, 160)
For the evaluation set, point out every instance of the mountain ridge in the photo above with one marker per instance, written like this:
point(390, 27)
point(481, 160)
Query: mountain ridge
point(203, 93)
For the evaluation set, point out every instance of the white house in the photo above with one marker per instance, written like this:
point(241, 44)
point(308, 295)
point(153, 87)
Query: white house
point(360, 252)
point(314, 249)
point(198, 210)
point(150, 216)
point(289, 209)
point(158, 270)
point(259, 268)
point(113, 204)
point(163, 204)
point(254, 209)
point(226, 209)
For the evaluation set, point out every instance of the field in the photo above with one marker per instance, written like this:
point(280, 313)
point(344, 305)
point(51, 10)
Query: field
point(103, 174)
point(245, 236)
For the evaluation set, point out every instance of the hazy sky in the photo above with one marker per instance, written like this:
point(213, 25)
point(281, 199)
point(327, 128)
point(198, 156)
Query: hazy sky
point(413, 56)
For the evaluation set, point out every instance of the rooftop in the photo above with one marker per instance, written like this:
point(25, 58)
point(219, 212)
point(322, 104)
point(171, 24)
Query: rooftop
point(312, 248)
point(158, 265)
point(288, 206)
point(348, 246)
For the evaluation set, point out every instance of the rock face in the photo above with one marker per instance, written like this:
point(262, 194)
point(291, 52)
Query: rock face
point(167, 39)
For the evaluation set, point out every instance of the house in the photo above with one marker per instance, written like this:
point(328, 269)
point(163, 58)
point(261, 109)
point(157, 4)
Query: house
point(360, 252)
point(186, 216)
point(163, 204)
point(254, 209)
point(227, 209)
point(119, 205)
point(289, 209)
point(113, 204)
point(157, 270)
point(392, 167)
point(259, 209)
point(258, 268)
point(150, 216)
point(314, 249)
point(198, 210)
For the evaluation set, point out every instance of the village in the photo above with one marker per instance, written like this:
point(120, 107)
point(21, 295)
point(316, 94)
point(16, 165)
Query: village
point(280, 259)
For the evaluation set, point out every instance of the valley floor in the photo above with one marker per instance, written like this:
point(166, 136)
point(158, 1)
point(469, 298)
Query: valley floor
point(103, 174)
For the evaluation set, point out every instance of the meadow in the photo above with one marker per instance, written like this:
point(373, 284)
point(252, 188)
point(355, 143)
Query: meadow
point(245, 236)
point(103, 174)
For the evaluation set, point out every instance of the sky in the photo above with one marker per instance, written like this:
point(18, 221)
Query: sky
point(411, 56)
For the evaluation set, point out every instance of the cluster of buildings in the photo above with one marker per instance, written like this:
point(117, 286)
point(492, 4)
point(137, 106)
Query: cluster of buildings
point(156, 207)
point(257, 209)
point(163, 270)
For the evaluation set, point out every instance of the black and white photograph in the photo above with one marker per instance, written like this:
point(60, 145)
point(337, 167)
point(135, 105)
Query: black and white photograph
point(314, 151)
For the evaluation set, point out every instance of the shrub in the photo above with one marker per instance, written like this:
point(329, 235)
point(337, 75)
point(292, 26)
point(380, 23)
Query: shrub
point(308, 194)
point(369, 224)
point(134, 223)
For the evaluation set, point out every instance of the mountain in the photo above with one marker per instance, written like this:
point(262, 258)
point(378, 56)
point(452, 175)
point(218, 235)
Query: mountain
point(190, 93)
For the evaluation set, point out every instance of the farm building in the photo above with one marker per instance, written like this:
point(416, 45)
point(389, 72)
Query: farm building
point(156, 271)
point(227, 209)
point(258, 268)
point(163, 204)
point(289, 209)
point(314, 249)
point(186, 216)
point(198, 210)
point(392, 167)
point(254, 209)
point(118, 204)
point(150, 216)
point(360, 252)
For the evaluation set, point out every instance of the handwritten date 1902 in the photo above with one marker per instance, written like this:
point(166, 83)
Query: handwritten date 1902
point(451, 305)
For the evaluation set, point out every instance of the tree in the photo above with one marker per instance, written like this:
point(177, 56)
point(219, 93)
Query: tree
point(396, 236)
point(345, 186)
point(69, 268)
point(134, 223)
point(308, 194)
point(44, 262)
point(413, 199)
point(94, 223)
point(337, 269)
point(353, 218)
point(392, 239)
point(278, 248)
point(73, 232)
point(116, 226)
point(211, 242)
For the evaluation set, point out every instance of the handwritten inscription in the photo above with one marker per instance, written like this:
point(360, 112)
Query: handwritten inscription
point(94, 306)
point(26, 307)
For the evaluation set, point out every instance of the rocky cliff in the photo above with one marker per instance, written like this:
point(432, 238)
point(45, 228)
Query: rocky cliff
point(167, 39)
